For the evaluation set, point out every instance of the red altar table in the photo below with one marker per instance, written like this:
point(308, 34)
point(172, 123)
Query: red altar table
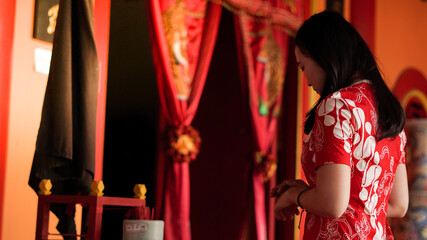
point(93, 207)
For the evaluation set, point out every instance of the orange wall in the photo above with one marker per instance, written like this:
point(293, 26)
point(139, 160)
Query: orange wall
point(26, 98)
point(401, 37)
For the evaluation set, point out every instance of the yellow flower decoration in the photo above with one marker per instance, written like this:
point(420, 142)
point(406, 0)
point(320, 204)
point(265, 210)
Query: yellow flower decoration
point(184, 143)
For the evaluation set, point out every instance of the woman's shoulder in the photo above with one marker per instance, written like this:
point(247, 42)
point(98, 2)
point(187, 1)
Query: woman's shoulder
point(358, 95)
point(354, 90)
point(357, 92)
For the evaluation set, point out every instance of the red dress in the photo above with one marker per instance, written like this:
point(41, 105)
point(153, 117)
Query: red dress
point(344, 133)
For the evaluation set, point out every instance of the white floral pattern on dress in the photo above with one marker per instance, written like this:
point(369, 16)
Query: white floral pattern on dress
point(344, 132)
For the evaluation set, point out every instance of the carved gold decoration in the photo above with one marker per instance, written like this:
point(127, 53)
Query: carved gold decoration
point(139, 190)
point(97, 187)
point(45, 186)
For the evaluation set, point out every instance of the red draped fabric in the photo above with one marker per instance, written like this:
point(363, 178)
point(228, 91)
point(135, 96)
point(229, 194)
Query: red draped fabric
point(183, 34)
point(262, 31)
point(285, 15)
point(265, 62)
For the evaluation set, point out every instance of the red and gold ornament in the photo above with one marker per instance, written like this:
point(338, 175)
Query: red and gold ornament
point(268, 162)
point(184, 143)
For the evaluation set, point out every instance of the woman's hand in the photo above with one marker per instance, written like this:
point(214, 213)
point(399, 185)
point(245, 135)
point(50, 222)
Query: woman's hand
point(285, 185)
point(285, 208)
point(279, 189)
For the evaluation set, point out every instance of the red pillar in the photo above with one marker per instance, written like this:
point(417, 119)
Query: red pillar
point(7, 20)
point(102, 34)
point(362, 15)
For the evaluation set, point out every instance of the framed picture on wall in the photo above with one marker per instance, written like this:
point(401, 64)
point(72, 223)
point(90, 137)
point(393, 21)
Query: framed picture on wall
point(45, 13)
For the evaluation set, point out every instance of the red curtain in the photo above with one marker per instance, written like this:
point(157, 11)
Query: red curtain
point(285, 15)
point(262, 31)
point(183, 34)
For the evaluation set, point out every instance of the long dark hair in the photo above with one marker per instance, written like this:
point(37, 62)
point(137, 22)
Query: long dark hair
point(341, 52)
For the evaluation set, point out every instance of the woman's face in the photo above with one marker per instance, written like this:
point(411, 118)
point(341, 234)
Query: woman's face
point(314, 74)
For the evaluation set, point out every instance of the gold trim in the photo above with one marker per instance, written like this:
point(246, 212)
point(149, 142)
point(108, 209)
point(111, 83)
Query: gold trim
point(415, 93)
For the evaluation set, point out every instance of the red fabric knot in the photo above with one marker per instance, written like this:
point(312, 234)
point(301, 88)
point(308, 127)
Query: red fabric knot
point(268, 163)
point(184, 143)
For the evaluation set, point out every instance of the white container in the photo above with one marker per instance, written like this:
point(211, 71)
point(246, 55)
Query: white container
point(143, 229)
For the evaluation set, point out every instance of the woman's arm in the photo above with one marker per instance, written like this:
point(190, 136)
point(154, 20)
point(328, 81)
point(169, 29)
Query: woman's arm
point(332, 193)
point(329, 198)
point(399, 196)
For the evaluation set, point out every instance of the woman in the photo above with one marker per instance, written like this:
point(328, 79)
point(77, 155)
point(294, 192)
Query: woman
point(353, 155)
